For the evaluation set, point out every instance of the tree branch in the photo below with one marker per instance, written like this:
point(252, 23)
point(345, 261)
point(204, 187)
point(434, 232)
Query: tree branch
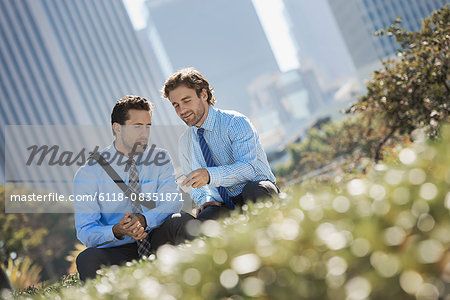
point(386, 138)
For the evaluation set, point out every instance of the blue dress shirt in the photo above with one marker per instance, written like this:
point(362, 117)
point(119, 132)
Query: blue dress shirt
point(104, 202)
point(236, 150)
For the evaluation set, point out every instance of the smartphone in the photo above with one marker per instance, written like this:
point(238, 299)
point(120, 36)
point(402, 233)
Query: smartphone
point(185, 188)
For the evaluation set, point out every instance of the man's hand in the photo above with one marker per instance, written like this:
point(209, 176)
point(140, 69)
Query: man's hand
point(135, 226)
point(131, 225)
point(206, 204)
point(118, 229)
point(197, 178)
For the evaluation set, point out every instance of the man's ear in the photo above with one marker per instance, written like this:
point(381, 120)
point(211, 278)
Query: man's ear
point(116, 128)
point(203, 95)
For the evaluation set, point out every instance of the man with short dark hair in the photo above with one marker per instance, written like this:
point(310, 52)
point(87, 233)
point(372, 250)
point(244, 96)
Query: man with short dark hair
point(114, 227)
point(220, 152)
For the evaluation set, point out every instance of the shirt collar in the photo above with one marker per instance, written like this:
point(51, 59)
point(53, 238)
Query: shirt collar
point(210, 120)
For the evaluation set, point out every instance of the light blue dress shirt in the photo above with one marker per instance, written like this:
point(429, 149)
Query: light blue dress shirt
point(94, 219)
point(236, 150)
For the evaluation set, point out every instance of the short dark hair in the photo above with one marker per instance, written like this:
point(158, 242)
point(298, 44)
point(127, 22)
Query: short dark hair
point(120, 111)
point(191, 78)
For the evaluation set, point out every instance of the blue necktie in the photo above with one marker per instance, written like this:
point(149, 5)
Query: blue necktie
point(210, 163)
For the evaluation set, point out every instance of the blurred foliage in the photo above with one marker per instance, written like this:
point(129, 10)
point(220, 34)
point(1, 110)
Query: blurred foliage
point(412, 91)
point(384, 235)
point(61, 239)
point(22, 273)
point(16, 234)
point(43, 237)
point(44, 289)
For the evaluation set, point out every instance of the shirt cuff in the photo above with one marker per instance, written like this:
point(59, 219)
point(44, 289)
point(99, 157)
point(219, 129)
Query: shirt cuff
point(214, 176)
point(149, 225)
point(109, 234)
point(204, 199)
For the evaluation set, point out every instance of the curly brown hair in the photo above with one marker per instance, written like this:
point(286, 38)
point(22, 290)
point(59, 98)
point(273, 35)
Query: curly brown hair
point(192, 79)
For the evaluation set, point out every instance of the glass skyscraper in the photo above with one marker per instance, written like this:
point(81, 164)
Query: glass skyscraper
point(359, 19)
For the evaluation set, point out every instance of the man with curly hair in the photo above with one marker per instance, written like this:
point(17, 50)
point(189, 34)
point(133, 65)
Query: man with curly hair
point(220, 151)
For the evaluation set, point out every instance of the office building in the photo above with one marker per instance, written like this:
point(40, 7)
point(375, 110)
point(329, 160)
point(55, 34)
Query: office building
point(66, 63)
point(358, 20)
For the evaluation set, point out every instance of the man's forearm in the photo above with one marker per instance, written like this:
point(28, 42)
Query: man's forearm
point(229, 175)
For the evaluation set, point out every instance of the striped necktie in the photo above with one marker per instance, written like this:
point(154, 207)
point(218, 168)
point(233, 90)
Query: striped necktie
point(210, 163)
point(133, 178)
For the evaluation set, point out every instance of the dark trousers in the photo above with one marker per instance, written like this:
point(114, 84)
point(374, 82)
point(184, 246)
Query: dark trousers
point(252, 191)
point(172, 231)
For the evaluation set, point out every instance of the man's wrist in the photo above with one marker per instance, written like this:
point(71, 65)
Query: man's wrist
point(213, 173)
point(209, 176)
point(119, 235)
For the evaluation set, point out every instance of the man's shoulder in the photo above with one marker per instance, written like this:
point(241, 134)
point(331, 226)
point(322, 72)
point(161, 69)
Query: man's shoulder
point(232, 118)
point(91, 167)
point(230, 114)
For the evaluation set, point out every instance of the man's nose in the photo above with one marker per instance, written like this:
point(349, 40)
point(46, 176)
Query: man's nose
point(144, 131)
point(182, 108)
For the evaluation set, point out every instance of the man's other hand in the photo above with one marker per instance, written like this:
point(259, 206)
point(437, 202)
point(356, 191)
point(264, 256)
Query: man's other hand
point(197, 178)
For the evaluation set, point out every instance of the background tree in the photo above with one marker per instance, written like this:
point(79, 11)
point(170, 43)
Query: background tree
point(347, 142)
point(16, 234)
point(412, 91)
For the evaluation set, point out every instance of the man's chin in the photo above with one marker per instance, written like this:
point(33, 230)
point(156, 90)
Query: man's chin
point(139, 148)
point(191, 123)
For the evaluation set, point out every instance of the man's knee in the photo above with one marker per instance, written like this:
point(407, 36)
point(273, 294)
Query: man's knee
point(181, 218)
point(88, 262)
point(257, 190)
point(84, 257)
point(178, 226)
point(213, 213)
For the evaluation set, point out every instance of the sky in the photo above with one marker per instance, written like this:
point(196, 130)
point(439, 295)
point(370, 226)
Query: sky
point(270, 13)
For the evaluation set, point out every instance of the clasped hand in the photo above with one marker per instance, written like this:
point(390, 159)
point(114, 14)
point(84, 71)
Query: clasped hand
point(131, 225)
